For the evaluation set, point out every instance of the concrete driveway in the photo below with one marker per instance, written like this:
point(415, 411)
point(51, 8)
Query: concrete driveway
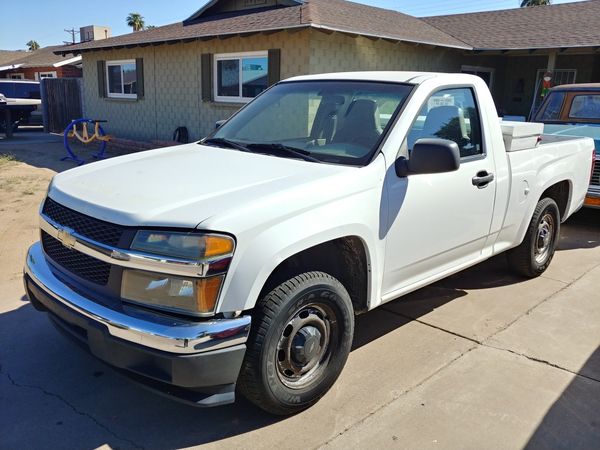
point(481, 360)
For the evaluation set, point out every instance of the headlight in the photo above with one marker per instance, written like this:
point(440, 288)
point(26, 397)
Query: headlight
point(192, 246)
point(197, 296)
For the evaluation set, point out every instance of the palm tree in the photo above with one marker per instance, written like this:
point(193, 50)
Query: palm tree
point(32, 46)
point(525, 3)
point(135, 21)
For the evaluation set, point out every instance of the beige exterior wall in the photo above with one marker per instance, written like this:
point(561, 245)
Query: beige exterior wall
point(341, 53)
point(172, 76)
point(172, 85)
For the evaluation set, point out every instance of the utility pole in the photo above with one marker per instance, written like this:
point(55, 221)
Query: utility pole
point(72, 32)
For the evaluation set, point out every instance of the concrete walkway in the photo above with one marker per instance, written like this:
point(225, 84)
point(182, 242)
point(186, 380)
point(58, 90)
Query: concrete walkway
point(481, 360)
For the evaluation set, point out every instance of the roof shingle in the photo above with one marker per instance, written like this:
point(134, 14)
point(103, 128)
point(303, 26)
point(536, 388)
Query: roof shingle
point(339, 15)
point(553, 26)
point(44, 57)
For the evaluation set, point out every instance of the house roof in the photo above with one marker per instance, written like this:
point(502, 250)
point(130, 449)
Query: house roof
point(338, 15)
point(7, 56)
point(554, 26)
point(44, 57)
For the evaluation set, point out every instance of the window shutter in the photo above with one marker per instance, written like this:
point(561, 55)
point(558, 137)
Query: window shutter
point(139, 82)
point(102, 79)
point(274, 66)
point(207, 77)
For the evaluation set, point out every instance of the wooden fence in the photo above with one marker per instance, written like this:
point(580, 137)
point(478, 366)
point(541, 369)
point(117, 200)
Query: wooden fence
point(61, 102)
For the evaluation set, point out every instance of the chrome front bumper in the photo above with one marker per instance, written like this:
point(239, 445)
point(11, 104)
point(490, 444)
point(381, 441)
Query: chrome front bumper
point(154, 331)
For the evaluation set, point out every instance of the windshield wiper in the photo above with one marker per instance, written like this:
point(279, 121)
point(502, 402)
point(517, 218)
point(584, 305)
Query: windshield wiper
point(292, 151)
point(226, 142)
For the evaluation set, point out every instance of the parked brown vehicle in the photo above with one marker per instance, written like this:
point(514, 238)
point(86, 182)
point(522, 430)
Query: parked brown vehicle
point(574, 109)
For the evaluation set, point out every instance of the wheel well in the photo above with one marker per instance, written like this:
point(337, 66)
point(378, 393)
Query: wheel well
point(560, 193)
point(344, 258)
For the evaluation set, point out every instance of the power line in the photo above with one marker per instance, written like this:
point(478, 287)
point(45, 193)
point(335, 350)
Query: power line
point(72, 32)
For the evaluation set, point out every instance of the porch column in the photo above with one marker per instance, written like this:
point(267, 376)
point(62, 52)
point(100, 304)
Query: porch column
point(551, 61)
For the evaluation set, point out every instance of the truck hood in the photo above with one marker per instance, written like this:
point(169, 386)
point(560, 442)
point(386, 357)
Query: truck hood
point(186, 185)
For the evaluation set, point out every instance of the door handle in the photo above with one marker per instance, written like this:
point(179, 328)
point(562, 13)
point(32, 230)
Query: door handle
point(482, 179)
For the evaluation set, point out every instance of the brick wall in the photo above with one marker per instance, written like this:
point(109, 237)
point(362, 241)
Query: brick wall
point(30, 72)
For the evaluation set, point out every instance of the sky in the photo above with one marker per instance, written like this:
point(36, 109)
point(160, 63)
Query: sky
point(45, 20)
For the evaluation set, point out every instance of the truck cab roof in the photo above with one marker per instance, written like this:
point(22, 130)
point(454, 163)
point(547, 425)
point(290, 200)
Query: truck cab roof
point(389, 76)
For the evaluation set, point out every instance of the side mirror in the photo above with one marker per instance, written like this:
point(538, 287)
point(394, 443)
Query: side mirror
point(430, 156)
point(218, 123)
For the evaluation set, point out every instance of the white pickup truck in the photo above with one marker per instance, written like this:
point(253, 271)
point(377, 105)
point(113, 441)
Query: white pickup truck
point(242, 260)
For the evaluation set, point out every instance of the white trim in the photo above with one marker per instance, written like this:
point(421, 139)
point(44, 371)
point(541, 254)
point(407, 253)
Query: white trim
point(233, 56)
point(10, 67)
point(119, 63)
point(67, 61)
point(39, 74)
point(21, 76)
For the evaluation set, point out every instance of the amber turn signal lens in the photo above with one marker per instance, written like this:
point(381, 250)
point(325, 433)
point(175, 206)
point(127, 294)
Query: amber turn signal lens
point(217, 246)
point(207, 292)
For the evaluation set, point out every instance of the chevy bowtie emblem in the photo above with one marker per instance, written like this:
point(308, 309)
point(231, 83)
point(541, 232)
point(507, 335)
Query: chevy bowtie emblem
point(66, 238)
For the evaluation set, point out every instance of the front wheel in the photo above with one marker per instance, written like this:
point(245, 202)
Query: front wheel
point(535, 253)
point(301, 336)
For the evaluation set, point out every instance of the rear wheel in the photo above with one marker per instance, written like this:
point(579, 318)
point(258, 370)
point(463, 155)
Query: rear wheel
point(535, 253)
point(301, 336)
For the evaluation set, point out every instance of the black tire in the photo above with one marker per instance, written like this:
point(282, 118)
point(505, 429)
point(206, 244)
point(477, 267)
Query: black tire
point(527, 259)
point(266, 378)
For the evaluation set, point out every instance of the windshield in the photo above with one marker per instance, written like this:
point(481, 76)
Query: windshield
point(330, 121)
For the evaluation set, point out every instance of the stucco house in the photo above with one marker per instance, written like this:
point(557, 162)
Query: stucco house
point(193, 73)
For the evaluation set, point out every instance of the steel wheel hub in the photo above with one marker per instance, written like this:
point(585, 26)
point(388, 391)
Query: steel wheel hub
point(303, 349)
point(544, 239)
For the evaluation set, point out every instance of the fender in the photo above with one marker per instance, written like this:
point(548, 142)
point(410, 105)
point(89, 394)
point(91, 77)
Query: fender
point(254, 262)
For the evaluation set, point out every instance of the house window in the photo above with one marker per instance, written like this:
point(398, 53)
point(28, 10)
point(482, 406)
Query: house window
point(485, 73)
point(17, 76)
point(121, 79)
point(241, 76)
point(40, 75)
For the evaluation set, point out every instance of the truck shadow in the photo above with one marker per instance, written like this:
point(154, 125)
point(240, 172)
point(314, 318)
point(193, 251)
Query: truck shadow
point(582, 230)
point(573, 420)
point(75, 401)
point(57, 378)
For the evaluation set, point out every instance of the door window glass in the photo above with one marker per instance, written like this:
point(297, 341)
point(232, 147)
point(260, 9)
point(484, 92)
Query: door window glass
point(450, 114)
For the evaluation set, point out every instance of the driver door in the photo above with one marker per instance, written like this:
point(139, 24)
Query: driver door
point(437, 222)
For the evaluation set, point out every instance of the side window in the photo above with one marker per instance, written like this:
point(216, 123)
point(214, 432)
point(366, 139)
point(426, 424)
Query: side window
point(585, 107)
point(553, 106)
point(450, 114)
